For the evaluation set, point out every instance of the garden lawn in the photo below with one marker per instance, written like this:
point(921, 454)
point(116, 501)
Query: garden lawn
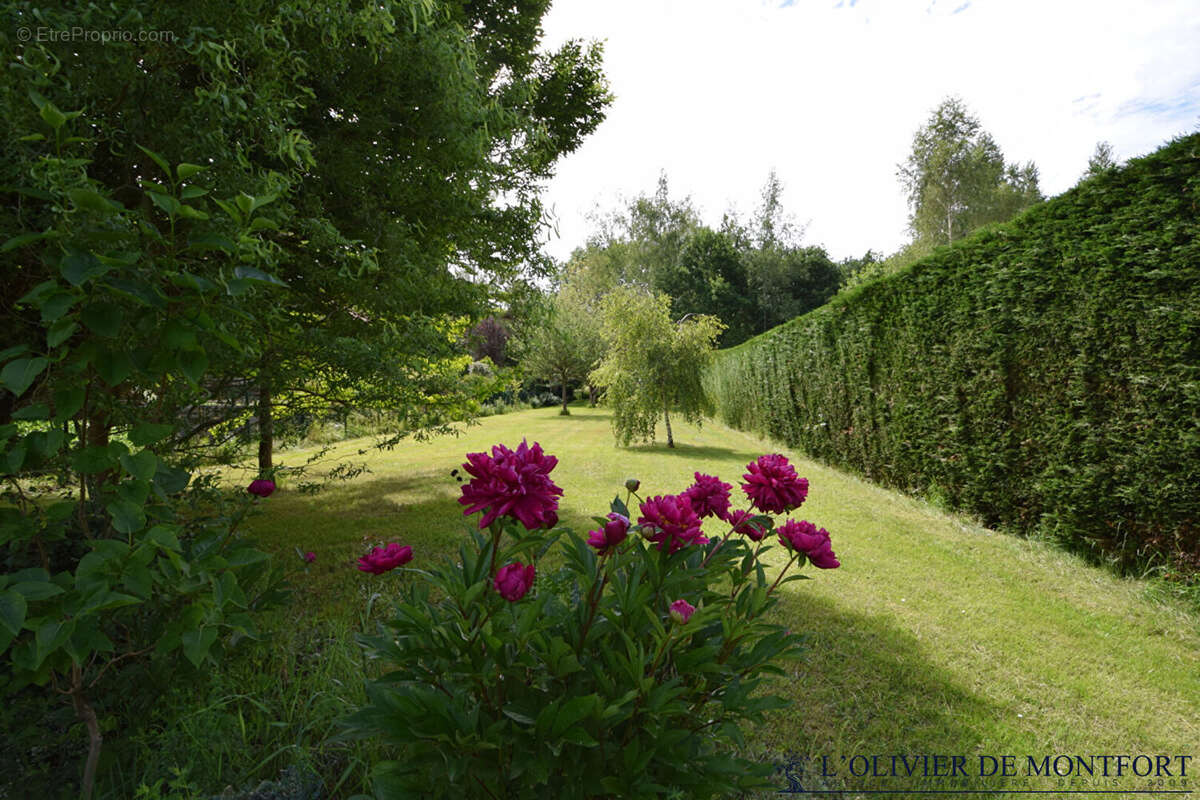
point(936, 636)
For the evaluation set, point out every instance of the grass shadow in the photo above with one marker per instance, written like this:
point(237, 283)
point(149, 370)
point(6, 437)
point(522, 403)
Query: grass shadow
point(684, 450)
point(865, 691)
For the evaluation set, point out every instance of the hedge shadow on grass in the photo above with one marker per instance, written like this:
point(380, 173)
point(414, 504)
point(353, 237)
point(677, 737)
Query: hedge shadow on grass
point(867, 687)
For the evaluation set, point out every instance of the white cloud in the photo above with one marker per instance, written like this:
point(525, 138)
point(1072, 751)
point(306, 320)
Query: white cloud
point(717, 92)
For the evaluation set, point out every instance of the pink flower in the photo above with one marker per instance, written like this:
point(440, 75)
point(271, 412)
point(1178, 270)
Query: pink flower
point(384, 559)
point(773, 485)
point(261, 487)
point(740, 521)
point(512, 484)
point(804, 537)
point(670, 521)
point(613, 533)
point(513, 581)
point(681, 611)
point(709, 496)
point(310, 556)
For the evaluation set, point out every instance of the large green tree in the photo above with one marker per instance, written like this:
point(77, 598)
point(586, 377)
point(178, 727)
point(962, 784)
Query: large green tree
point(652, 364)
point(562, 344)
point(261, 210)
point(956, 178)
point(405, 144)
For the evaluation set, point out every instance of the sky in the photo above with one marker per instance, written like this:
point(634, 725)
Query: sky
point(829, 93)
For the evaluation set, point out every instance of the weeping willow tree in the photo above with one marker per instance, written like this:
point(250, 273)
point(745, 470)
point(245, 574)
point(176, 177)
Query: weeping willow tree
point(652, 365)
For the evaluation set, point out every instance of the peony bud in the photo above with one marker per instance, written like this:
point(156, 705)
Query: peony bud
point(513, 581)
point(681, 611)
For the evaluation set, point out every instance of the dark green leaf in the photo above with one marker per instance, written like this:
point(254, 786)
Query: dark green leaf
point(193, 363)
point(185, 170)
point(196, 644)
point(93, 201)
point(145, 433)
point(19, 375)
point(103, 319)
point(164, 537)
point(37, 411)
point(10, 352)
point(78, 267)
point(140, 465)
point(33, 591)
point(60, 331)
point(67, 402)
point(53, 117)
point(12, 611)
point(91, 460)
point(167, 203)
point(162, 162)
point(171, 480)
point(23, 239)
point(127, 517)
point(114, 366)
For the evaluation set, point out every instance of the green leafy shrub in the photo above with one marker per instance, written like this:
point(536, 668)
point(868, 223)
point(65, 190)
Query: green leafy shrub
point(1041, 374)
point(113, 563)
point(626, 672)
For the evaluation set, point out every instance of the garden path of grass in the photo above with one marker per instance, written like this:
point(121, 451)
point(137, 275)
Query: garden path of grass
point(936, 636)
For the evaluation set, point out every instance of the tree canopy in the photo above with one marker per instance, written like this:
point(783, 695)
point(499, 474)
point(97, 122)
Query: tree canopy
point(652, 364)
point(752, 276)
point(956, 178)
point(394, 211)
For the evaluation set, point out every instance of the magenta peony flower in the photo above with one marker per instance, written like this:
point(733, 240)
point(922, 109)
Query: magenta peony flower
point(773, 485)
point(310, 557)
point(670, 521)
point(384, 559)
point(681, 611)
point(740, 521)
point(261, 487)
point(512, 484)
point(709, 496)
point(612, 534)
point(804, 537)
point(513, 581)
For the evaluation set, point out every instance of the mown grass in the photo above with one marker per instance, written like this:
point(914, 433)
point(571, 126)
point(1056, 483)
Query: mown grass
point(936, 636)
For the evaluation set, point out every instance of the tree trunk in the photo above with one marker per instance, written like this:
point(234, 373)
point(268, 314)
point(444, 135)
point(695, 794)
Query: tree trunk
point(87, 715)
point(667, 419)
point(96, 434)
point(266, 430)
point(592, 392)
point(565, 412)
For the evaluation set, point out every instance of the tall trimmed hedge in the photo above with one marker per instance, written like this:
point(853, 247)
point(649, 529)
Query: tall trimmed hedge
point(1044, 373)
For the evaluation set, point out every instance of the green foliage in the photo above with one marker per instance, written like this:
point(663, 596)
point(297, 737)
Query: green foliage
point(652, 365)
point(1041, 374)
point(751, 277)
point(956, 178)
point(562, 345)
point(1101, 160)
point(366, 197)
point(110, 562)
point(585, 686)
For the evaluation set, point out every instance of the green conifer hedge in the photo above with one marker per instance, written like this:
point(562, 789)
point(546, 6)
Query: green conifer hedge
point(1042, 374)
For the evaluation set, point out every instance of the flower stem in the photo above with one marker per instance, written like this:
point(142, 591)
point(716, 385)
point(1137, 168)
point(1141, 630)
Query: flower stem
point(786, 566)
point(720, 544)
point(496, 531)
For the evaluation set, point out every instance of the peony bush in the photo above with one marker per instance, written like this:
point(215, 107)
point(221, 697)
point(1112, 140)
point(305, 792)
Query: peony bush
point(627, 669)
